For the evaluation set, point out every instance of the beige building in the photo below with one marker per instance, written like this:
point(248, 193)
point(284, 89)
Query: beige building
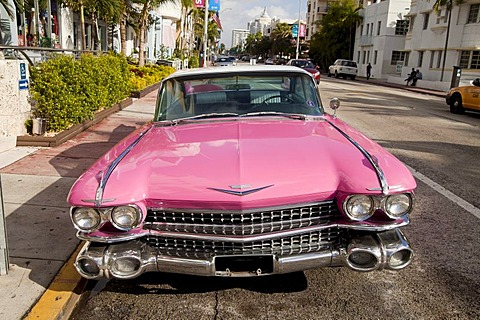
point(316, 10)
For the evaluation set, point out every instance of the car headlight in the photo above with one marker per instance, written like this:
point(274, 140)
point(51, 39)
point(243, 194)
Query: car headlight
point(398, 205)
point(359, 207)
point(126, 217)
point(86, 219)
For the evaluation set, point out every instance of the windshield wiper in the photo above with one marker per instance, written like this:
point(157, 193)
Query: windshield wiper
point(206, 115)
point(275, 113)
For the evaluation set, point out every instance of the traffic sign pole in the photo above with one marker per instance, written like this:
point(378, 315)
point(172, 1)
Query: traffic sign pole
point(3, 236)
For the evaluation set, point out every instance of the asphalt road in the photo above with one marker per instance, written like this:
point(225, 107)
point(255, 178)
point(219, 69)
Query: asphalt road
point(443, 281)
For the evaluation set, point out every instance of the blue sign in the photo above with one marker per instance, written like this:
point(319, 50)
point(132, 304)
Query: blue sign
point(214, 5)
point(23, 84)
point(295, 30)
point(23, 71)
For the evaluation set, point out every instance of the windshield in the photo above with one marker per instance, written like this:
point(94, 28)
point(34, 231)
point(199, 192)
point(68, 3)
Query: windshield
point(227, 95)
point(303, 64)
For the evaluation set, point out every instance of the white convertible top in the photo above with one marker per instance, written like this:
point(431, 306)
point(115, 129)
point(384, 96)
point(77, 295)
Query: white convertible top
point(237, 69)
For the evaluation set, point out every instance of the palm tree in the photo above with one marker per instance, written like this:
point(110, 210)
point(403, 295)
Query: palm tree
point(187, 8)
point(145, 7)
point(18, 5)
point(448, 4)
point(281, 36)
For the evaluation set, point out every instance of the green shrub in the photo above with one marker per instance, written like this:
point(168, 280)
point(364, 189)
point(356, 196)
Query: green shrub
point(142, 77)
point(69, 91)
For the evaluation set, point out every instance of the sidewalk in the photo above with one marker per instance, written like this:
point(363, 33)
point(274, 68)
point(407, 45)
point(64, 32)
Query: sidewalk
point(41, 238)
point(403, 87)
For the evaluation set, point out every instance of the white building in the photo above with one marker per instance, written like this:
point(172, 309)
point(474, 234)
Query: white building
point(398, 35)
point(380, 37)
point(427, 37)
point(238, 37)
point(316, 10)
point(261, 24)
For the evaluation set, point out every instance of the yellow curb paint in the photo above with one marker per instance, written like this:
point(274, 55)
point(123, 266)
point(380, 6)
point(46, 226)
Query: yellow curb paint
point(55, 301)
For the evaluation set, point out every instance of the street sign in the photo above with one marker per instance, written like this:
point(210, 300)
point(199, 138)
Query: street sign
point(199, 3)
point(214, 5)
point(295, 30)
point(23, 84)
point(23, 71)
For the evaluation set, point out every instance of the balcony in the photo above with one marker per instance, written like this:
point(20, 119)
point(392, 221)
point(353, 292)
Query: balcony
point(366, 41)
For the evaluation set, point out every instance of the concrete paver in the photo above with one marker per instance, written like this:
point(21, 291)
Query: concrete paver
point(41, 238)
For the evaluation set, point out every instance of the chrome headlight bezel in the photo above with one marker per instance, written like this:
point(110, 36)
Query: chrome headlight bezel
point(135, 221)
point(406, 198)
point(95, 216)
point(381, 203)
point(366, 200)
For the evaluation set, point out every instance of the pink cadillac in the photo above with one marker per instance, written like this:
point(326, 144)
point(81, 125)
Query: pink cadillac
point(242, 173)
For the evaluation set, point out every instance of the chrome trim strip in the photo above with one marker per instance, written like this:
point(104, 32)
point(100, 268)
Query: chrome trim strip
point(242, 239)
point(253, 210)
point(112, 166)
point(380, 175)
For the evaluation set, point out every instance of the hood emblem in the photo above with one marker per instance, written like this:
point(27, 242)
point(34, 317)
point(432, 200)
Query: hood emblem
point(240, 187)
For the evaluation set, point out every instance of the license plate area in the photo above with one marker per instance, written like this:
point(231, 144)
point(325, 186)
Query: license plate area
point(243, 265)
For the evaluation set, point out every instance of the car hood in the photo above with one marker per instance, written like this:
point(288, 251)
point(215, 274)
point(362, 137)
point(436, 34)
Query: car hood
point(262, 161)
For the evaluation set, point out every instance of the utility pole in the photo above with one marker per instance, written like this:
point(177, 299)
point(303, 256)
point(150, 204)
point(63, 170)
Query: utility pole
point(205, 35)
point(3, 237)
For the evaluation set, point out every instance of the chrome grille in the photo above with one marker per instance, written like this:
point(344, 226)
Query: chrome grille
point(283, 246)
point(241, 223)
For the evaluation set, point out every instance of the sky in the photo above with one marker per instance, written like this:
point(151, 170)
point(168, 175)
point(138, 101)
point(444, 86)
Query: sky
point(235, 14)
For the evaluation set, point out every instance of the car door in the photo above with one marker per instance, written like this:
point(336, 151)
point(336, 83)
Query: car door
point(471, 98)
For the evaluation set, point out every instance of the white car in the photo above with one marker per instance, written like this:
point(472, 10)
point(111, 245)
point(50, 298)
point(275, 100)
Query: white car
point(343, 68)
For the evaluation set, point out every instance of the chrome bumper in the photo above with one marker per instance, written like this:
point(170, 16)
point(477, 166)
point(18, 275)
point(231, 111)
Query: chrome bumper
point(374, 251)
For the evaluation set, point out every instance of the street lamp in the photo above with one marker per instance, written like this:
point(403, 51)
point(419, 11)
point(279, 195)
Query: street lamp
point(298, 30)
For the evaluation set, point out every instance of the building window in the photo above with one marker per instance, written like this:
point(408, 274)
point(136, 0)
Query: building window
point(368, 28)
point(432, 59)
point(439, 58)
point(368, 56)
point(396, 57)
point(473, 14)
point(402, 27)
point(426, 16)
point(464, 59)
point(420, 58)
point(470, 59)
point(371, 28)
point(379, 27)
point(475, 64)
point(375, 56)
point(364, 57)
point(412, 19)
point(358, 57)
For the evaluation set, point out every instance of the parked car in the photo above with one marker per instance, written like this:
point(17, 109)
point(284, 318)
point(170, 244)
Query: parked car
point(269, 61)
point(307, 65)
point(343, 68)
point(464, 98)
point(242, 173)
point(225, 61)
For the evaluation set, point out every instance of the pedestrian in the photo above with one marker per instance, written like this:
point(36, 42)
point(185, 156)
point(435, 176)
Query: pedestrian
point(418, 75)
point(411, 75)
point(369, 70)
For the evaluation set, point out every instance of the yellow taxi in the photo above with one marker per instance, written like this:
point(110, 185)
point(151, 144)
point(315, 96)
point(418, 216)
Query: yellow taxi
point(464, 98)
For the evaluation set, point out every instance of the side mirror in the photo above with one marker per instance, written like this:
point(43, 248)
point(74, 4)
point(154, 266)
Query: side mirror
point(334, 105)
point(476, 82)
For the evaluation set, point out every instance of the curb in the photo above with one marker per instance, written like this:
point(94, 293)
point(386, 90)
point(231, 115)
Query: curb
point(61, 297)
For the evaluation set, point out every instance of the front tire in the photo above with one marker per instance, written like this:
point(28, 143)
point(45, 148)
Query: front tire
point(336, 74)
point(352, 77)
point(456, 104)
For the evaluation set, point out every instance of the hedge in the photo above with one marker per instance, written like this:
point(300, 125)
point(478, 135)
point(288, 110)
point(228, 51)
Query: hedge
point(67, 92)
